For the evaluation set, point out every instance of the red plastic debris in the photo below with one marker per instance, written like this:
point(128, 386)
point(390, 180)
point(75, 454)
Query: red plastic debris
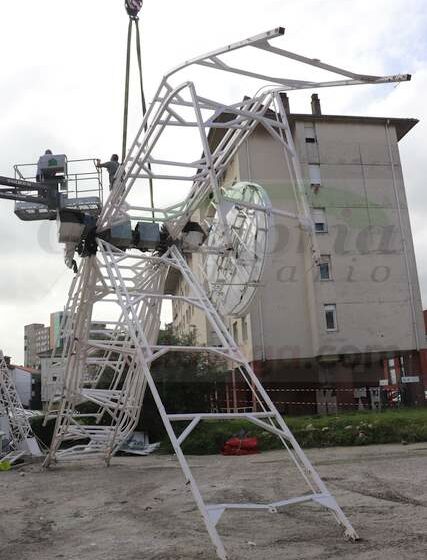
point(238, 446)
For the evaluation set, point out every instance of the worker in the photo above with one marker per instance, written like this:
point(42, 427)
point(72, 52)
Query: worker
point(111, 166)
point(39, 165)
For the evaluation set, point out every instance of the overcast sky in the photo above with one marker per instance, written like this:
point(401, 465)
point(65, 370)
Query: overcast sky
point(62, 69)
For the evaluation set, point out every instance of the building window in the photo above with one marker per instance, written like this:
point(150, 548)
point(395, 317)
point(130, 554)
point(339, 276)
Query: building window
point(309, 133)
point(325, 267)
point(314, 173)
point(331, 317)
point(319, 219)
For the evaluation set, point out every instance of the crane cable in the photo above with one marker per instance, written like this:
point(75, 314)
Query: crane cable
point(133, 19)
point(139, 55)
point(127, 79)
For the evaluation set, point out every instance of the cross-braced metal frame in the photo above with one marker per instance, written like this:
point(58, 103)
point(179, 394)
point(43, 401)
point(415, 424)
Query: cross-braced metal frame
point(112, 317)
point(22, 439)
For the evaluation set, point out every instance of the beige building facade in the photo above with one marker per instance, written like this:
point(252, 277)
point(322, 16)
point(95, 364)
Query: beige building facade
point(333, 327)
point(36, 340)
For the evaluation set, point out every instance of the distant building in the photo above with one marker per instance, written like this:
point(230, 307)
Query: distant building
point(326, 338)
point(36, 340)
point(28, 386)
point(49, 377)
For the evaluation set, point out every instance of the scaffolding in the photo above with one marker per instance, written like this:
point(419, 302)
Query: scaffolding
point(21, 438)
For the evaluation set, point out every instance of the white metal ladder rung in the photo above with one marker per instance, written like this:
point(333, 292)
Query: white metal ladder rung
point(220, 416)
point(215, 511)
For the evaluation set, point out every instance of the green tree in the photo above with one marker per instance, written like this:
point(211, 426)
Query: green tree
point(186, 381)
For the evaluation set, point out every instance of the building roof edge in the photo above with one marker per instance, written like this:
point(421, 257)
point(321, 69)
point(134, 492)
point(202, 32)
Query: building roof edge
point(402, 125)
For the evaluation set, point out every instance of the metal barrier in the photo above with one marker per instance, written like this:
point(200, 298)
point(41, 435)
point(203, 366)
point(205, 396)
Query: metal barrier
point(318, 400)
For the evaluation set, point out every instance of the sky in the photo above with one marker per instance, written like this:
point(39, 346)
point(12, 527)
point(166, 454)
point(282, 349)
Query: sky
point(62, 83)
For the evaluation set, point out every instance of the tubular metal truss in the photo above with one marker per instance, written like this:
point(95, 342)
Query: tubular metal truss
point(98, 362)
point(112, 317)
point(133, 284)
point(180, 107)
point(21, 436)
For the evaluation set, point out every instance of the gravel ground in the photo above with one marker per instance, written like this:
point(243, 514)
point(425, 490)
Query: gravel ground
point(139, 508)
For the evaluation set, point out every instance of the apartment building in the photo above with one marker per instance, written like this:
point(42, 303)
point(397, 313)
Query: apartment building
point(36, 340)
point(324, 337)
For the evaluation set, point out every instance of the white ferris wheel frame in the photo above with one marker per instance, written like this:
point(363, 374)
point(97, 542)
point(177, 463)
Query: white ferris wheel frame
point(135, 282)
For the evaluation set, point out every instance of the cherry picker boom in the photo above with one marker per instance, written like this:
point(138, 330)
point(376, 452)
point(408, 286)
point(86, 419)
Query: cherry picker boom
point(20, 190)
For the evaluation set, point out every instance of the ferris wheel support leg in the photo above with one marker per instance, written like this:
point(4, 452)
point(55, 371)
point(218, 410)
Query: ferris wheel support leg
point(268, 419)
point(141, 347)
point(135, 284)
point(76, 359)
point(326, 499)
point(321, 493)
point(150, 313)
point(190, 480)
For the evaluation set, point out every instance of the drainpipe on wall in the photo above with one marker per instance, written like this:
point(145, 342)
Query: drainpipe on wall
point(404, 241)
point(261, 326)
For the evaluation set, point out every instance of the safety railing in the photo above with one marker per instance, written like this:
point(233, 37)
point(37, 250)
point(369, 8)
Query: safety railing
point(82, 179)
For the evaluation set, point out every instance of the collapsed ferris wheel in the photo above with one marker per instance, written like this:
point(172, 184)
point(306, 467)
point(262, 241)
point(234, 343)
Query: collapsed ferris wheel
point(132, 246)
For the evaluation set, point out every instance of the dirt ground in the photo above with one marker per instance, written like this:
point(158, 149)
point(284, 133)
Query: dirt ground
point(140, 508)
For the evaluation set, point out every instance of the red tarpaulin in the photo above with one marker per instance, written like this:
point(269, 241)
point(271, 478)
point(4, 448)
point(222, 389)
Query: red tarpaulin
point(237, 446)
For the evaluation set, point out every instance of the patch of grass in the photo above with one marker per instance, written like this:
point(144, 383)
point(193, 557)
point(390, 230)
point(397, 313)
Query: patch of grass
point(347, 429)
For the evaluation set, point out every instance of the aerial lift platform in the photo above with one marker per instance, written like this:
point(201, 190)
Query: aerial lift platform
point(61, 184)
point(56, 188)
